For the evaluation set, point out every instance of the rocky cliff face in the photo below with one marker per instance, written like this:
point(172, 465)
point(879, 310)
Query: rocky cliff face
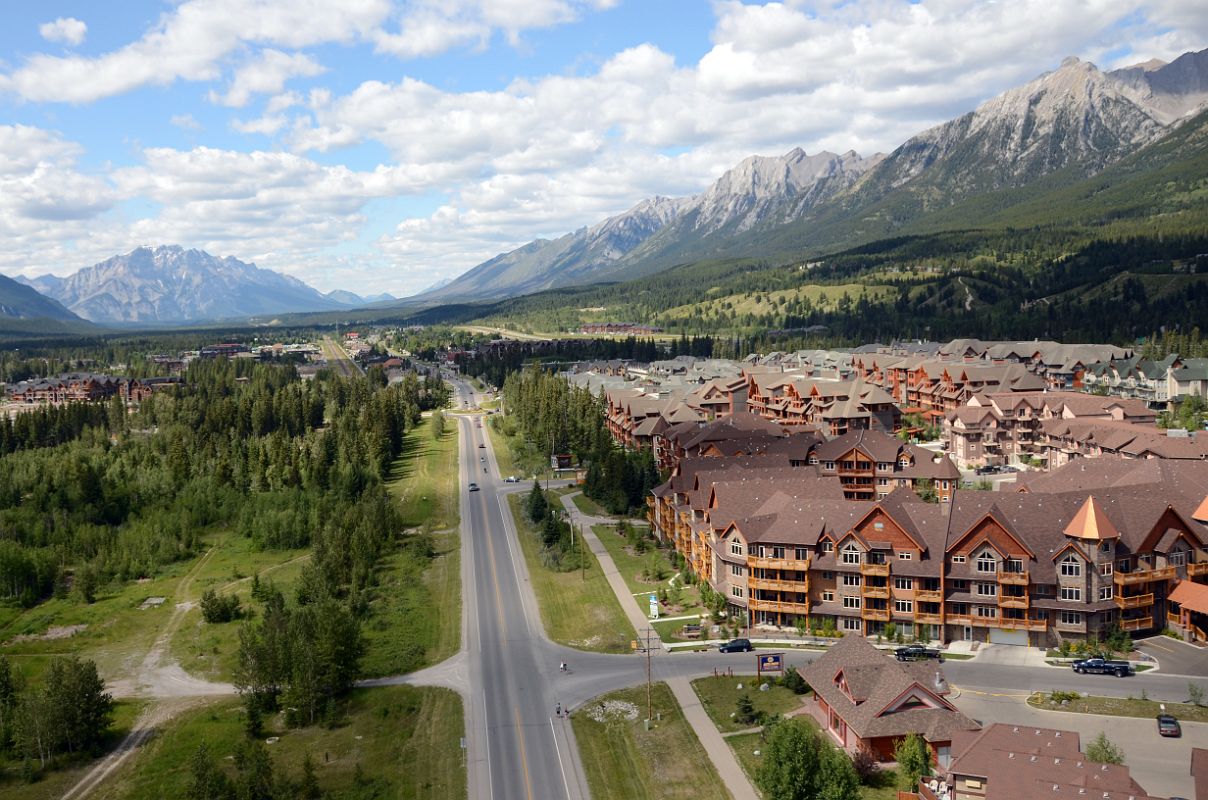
point(171, 285)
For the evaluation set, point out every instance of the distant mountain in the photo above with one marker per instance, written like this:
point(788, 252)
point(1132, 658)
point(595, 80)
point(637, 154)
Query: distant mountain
point(1060, 128)
point(18, 300)
point(170, 285)
point(353, 300)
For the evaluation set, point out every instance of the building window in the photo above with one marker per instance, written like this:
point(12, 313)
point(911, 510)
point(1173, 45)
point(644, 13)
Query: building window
point(958, 559)
point(829, 465)
point(986, 563)
point(903, 583)
point(1122, 565)
point(1178, 559)
point(1069, 617)
point(851, 624)
point(905, 555)
point(828, 575)
point(1071, 567)
point(1071, 593)
point(882, 481)
point(736, 591)
point(736, 569)
point(987, 589)
point(801, 554)
point(1014, 565)
point(735, 548)
point(828, 546)
point(851, 602)
point(903, 606)
point(828, 597)
point(1105, 593)
point(1105, 569)
point(987, 612)
point(851, 554)
point(960, 585)
point(851, 580)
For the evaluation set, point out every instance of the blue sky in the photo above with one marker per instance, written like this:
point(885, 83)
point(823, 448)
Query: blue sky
point(379, 145)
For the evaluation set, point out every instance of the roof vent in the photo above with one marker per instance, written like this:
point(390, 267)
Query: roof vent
point(1015, 729)
point(1056, 761)
point(1033, 758)
point(1010, 755)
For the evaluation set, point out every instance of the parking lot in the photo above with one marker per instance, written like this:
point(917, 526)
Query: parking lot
point(1177, 658)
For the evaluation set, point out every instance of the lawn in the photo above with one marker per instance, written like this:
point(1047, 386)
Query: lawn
point(55, 782)
point(578, 609)
point(424, 477)
point(589, 507)
point(635, 568)
point(624, 761)
point(404, 740)
point(1121, 707)
point(745, 746)
point(719, 697)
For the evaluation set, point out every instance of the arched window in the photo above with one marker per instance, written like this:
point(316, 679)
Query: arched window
point(851, 553)
point(1071, 567)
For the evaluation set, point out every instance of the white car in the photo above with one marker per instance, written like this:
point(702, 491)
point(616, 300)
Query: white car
point(510, 479)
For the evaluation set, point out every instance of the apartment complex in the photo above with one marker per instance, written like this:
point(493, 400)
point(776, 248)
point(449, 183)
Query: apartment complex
point(1068, 556)
point(82, 387)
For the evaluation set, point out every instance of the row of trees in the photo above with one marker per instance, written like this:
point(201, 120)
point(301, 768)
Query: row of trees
point(67, 714)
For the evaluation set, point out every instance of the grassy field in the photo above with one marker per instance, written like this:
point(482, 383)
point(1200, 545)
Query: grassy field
point(719, 696)
point(745, 746)
point(577, 610)
point(404, 740)
point(589, 507)
point(635, 569)
point(55, 782)
point(424, 477)
point(821, 297)
point(1120, 707)
point(624, 761)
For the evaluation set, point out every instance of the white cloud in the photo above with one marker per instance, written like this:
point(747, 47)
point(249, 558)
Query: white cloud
point(64, 29)
point(185, 122)
point(267, 74)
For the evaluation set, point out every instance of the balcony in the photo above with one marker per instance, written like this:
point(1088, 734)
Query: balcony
point(784, 607)
point(1137, 624)
point(881, 570)
point(778, 585)
point(1015, 624)
point(1009, 601)
point(1195, 570)
point(921, 618)
point(928, 596)
point(875, 614)
point(1013, 578)
point(880, 592)
point(762, 562)
point(958, 619)
point(1144, 576)
point(1134, 601)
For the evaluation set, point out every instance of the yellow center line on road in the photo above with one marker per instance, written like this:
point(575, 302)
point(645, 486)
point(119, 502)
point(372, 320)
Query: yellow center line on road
point(989, 694)
point(528, 785)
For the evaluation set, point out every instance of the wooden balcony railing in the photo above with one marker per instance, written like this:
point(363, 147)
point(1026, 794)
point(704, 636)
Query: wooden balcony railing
point(783, 607)
point(923, 618)
point(928, 596)
point(880, 592)
point(1013, 578)
point(874, 569)
point(1144, 576)
point(1134, 601)
point(1016, 624)
point(878, 614)
point(1138, 624)
point(802, 586)
point(1197, 569)
point(958, 619)
point(1010, 601)
point(763, 562)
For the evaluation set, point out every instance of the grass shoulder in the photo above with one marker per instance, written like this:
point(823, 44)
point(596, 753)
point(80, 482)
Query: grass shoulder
point(719, 697)
point(424, 478)
point(1116, 706)
point(647, 568)
point(578, 608)
point(625, 761)
point(402, 741)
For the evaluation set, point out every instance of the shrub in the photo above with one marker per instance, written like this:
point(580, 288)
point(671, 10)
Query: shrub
point(218, 608)
point(866, 765)
point(1103, 751)
point(793, 681)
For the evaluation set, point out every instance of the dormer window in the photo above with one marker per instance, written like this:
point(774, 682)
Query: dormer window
point(828, 546)
point(1071, 567)
point(986, 563)
point(851, 554)
point(735, 548)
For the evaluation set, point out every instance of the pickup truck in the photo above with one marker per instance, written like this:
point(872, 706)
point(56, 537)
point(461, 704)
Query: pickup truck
point(915, 653)
point(1101, 666)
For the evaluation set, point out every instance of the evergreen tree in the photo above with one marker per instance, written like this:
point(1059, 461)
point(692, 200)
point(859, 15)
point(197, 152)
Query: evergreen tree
point(1102, 750)
point(538, 506)
point(206, 780)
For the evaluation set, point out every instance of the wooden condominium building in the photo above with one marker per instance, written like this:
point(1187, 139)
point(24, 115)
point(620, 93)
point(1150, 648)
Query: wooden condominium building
point(83, 387)
point(1064, 558)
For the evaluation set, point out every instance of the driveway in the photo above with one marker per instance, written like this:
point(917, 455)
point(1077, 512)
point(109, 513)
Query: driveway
point(1177, 658)
point(1160, 765)
point(1011, 654)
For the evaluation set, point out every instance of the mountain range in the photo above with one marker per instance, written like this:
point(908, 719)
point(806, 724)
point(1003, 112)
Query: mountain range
point(171, 285)
point(1060, 128)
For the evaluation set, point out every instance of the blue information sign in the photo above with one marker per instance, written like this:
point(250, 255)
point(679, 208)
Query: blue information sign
point(771, 662)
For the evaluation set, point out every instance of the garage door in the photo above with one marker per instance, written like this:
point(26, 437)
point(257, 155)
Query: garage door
point(1009, 637)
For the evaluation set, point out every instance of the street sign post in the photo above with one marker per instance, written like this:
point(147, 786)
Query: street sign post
point(654, 606)
point(770, 662)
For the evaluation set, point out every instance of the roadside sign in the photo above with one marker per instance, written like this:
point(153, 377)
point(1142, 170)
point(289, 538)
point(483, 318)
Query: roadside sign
point(654, 606)
point(770, 662)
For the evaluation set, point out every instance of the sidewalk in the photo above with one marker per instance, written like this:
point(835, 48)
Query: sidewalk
point(719, 752)
point(629, 604)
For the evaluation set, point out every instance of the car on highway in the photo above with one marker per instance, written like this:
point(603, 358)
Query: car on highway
point(736, 646)
point(1169, 726)
point(482, 445)
point(473, 487)
point(1102, 666)
point(915, 652)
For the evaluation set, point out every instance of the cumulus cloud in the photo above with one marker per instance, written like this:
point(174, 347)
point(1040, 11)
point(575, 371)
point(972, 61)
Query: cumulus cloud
point(266, 74)
point(64, 29)
point(185, 122)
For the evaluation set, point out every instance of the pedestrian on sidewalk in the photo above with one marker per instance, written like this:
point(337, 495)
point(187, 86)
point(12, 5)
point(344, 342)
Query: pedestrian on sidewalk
point(558, 710)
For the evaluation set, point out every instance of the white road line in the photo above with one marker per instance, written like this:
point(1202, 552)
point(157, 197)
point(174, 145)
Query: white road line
point(487, 746)
point(558, 752)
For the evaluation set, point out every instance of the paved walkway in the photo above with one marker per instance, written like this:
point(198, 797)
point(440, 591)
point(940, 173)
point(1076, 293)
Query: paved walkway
point(629, 604)
point(719, 752)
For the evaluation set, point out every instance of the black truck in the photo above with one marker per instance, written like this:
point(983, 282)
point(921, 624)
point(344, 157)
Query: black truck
point(915, 652)
point(1102, 666)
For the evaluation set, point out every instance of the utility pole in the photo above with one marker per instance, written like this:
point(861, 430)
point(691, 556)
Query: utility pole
point(649, 701)
point(582, 555)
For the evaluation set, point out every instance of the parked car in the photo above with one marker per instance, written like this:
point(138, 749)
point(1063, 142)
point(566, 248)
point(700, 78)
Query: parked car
point(510, 479)
point(1102, 666)
point(736, 646)
point(915, 652)
point(473, 487)
point(1169, 726)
